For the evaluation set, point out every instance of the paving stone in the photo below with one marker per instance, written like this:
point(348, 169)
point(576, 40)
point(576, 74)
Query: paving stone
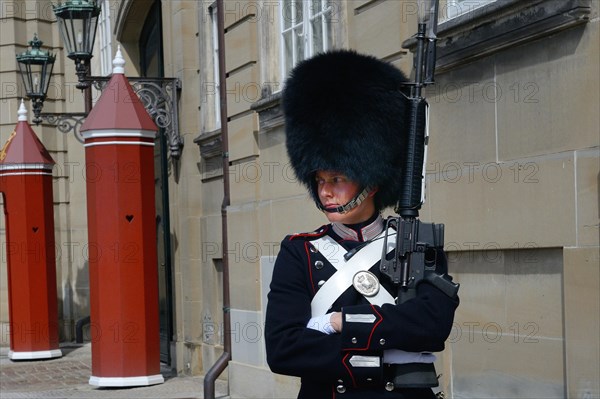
point(68, 377)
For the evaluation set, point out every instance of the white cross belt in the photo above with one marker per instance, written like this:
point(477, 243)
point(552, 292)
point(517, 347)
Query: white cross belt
point(364, 259)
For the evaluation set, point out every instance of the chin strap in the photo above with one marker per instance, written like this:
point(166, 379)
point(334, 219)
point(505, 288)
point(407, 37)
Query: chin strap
point(354, 202)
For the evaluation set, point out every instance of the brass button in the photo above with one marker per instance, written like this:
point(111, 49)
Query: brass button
point(340, 389)
point(319, 264)
point(389, 386)
point(382, 341)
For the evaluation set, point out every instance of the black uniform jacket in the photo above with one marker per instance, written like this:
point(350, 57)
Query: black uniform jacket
point(421, 324)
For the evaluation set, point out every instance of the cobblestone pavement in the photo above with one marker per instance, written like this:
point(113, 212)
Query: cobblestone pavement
point(68, 376)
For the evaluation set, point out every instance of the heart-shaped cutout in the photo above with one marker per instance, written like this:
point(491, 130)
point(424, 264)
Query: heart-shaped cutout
point(35, 229)
point(129, 218)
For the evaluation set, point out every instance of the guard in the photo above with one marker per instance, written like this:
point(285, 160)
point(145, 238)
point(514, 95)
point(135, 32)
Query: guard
point(332, 317)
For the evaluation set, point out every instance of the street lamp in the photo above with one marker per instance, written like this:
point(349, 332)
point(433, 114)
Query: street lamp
point(36, 67)
point(77, 22)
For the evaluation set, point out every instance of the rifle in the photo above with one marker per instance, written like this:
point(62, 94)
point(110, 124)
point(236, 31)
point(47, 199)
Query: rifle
point(418, 244)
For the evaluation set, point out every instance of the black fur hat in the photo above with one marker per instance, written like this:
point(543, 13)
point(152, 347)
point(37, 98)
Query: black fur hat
point(345, 111)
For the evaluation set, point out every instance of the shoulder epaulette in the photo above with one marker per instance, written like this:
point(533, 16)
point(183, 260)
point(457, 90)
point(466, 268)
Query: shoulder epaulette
point(320, 232)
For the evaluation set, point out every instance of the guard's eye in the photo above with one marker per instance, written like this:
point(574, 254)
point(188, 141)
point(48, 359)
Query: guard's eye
point(331, 180)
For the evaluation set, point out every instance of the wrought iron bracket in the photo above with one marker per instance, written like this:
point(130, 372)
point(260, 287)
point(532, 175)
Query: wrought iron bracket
point(160, 97)
point(65, 123)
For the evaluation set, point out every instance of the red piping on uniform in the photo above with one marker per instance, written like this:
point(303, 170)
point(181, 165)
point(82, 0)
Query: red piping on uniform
point(312, 284)
point(349, 372)
point(321, 231)
point(372, 331)
point(375, 326)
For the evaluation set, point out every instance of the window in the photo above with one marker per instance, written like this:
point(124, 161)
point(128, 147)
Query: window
point(456, 8)
point(484, 27)
point(105, 39)
point(215, 50)
point(305, 29)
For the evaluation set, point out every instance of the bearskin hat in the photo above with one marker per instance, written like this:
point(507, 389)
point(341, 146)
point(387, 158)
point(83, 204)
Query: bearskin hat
point(345, 111)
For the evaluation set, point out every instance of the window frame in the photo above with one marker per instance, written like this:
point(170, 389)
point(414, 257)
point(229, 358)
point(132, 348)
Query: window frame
point(105, 42)
point(457, 8)
point(215, 51)
point(499, 25)
point(327, 7)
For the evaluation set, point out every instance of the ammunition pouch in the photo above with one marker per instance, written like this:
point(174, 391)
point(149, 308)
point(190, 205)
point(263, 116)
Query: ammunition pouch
point(411, 375)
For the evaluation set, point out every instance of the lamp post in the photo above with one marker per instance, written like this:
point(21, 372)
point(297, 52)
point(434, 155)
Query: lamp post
point(78, 22)
point(36, 67)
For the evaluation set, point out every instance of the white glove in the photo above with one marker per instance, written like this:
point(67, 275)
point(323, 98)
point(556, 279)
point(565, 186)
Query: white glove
point(321, 323)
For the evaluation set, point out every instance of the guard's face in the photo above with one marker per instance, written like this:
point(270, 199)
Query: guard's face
point(335, 189)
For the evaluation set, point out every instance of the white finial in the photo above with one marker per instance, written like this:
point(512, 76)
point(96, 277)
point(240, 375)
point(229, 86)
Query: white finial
point(119, 62)
point(22, 112)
